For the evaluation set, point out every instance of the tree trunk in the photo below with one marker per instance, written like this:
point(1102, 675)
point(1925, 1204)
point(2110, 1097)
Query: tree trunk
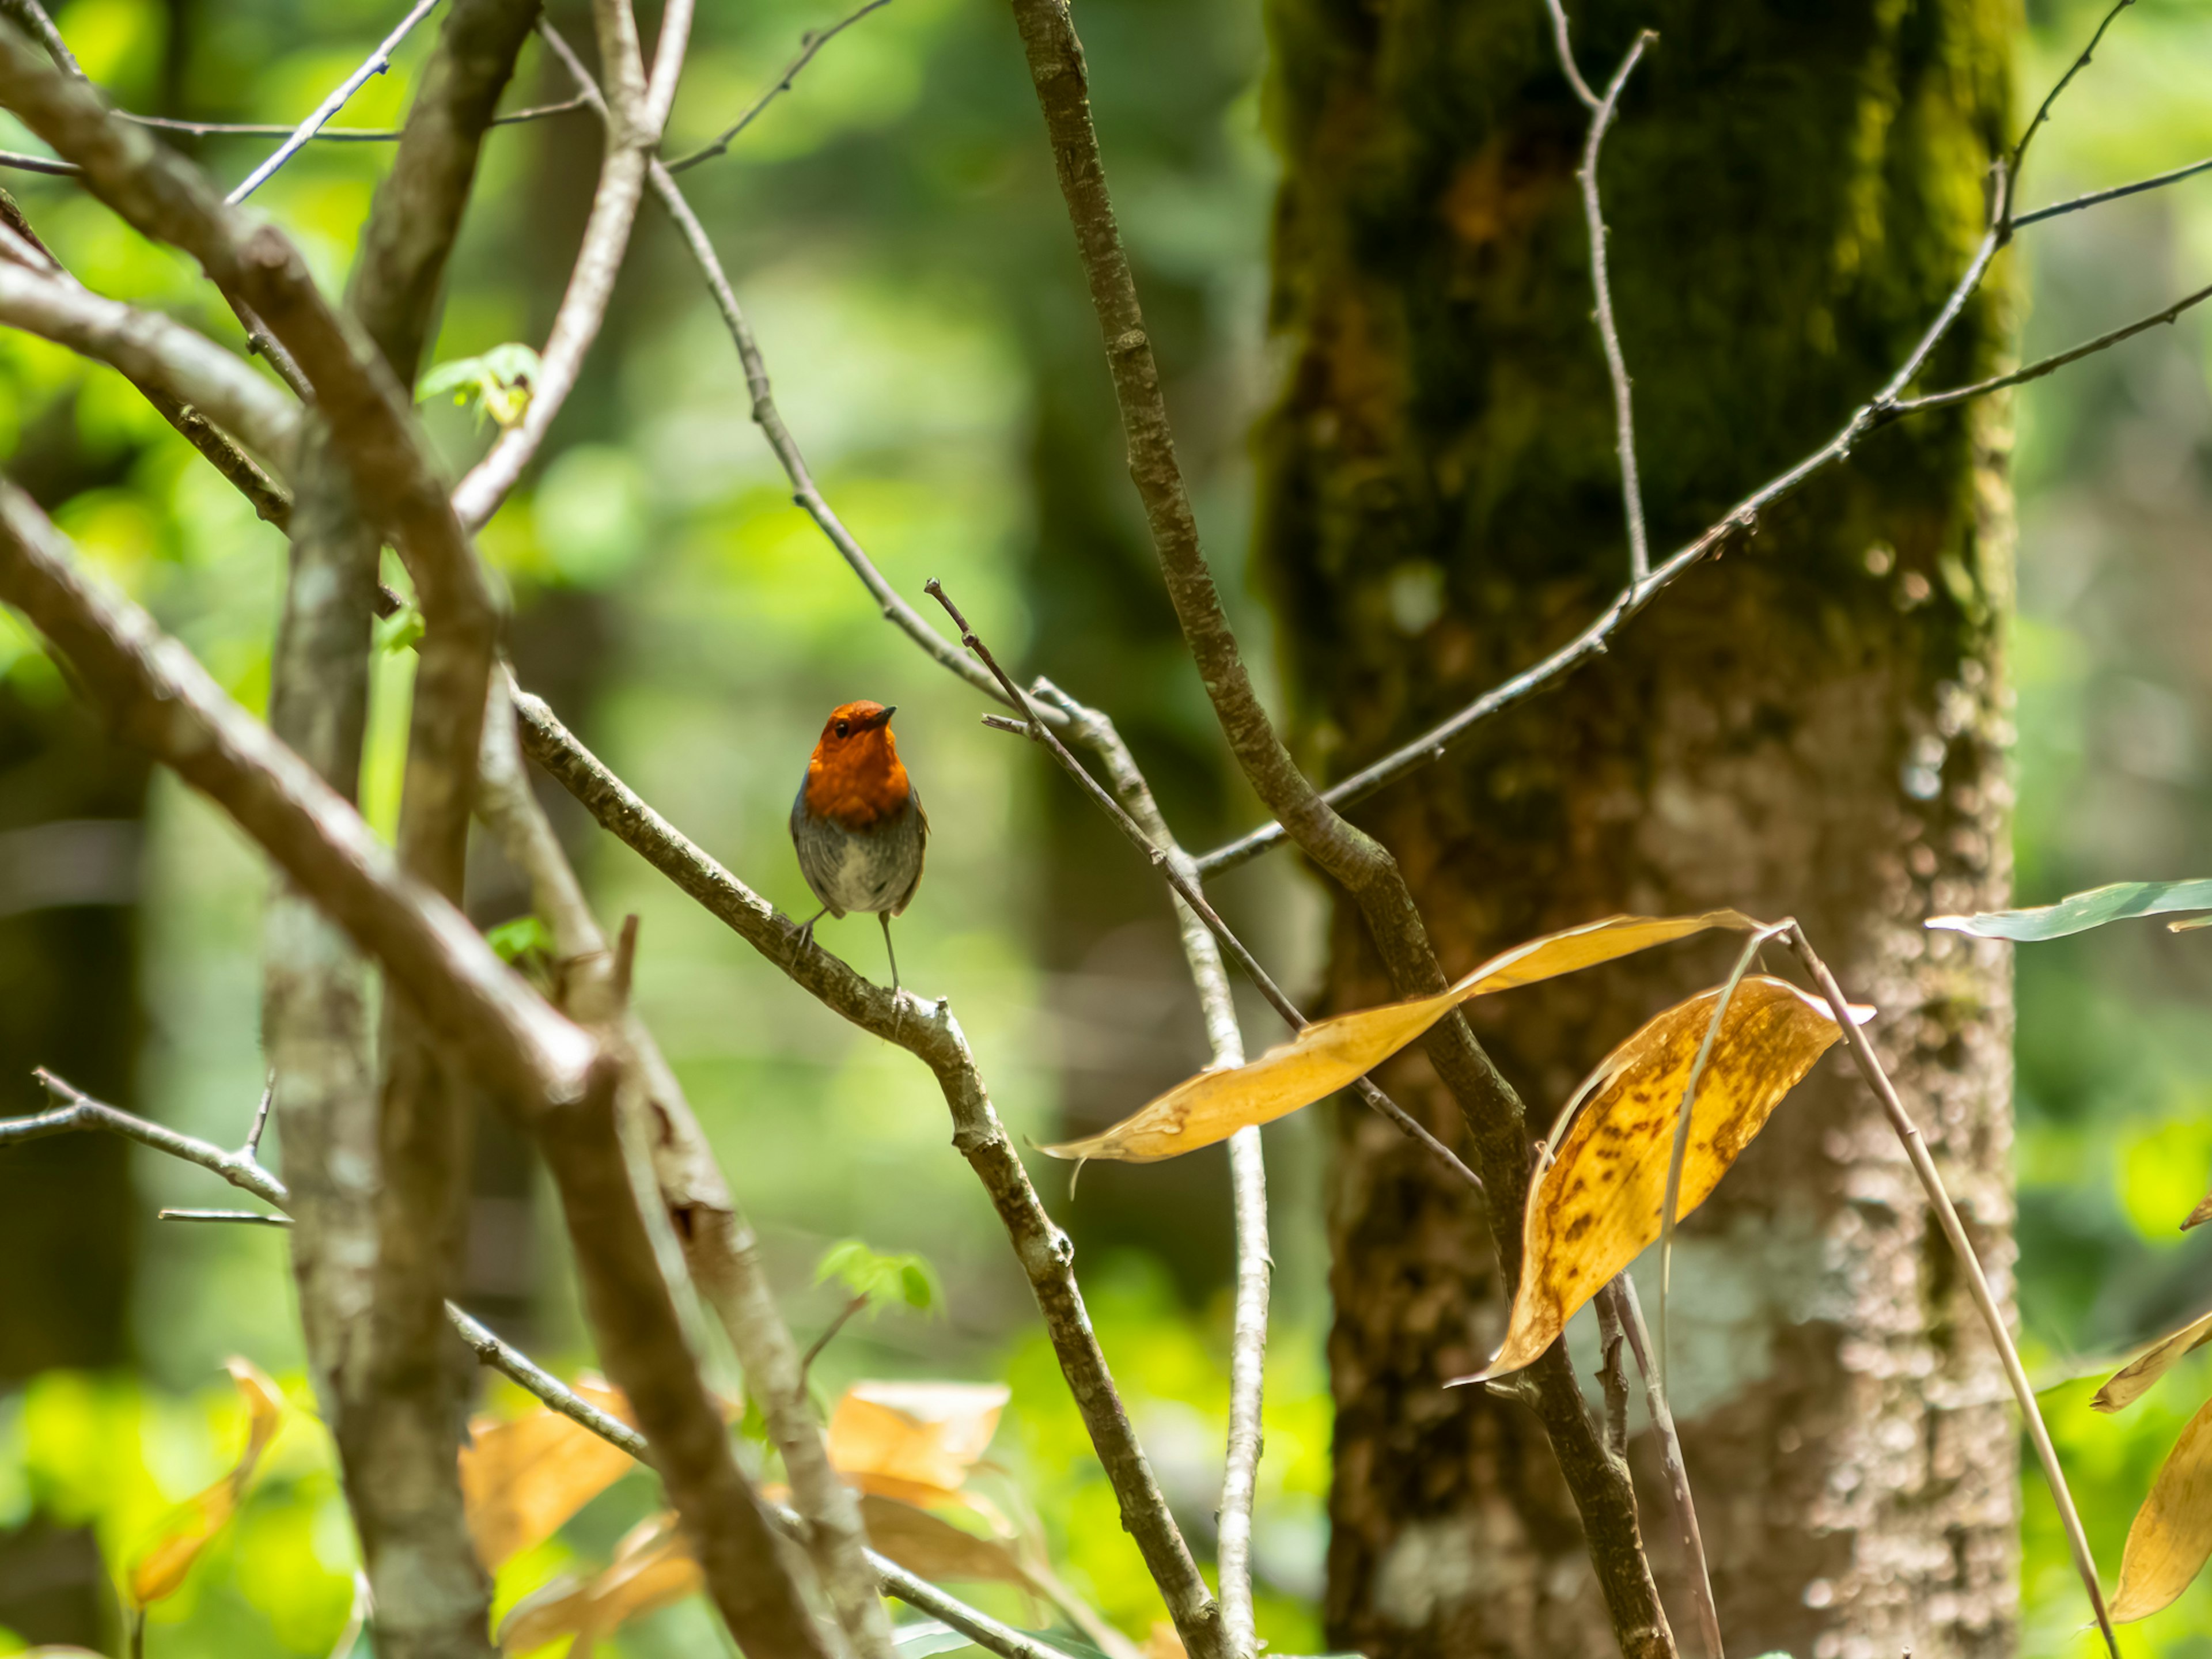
point(1809, 726)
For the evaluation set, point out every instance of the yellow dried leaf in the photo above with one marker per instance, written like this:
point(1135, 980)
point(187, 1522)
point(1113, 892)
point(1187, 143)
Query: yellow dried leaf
point(1163, 1642)
point(521, 1479)
point(1598, 1205)
point(2132, 1381)
point(916, 1440)
point(1330, 1054)
point(2172, 1531)
point(653, 1568)
point(935, 1549)
point(161, 1569)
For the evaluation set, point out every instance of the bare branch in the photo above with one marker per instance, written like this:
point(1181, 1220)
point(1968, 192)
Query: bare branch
point(810, 43)
point(375, 65)
point(2081, 63)
point(929, 1032)
point(152, 351)
point(1355, 859)
point(1628, 1315)
point(1616, 365)
point(718, 1246)
point(81, 1111)
point(332, 135)
point(243, 1217)
point(629, 142)
point(2156, 181)
point(45, 164)
point(1977, 1284)
point(2037, 370)
point(31, 16)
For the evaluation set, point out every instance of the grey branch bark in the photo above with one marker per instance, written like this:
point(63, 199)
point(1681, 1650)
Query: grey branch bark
point(929, 1032)
point(1361, 864)
point(718, 1246)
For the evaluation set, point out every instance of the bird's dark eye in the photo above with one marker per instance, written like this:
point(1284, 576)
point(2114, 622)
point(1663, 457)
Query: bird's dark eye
point(844, 728)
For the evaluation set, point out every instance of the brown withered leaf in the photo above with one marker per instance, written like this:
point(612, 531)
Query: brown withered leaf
point(522, 1478)
point(2132, 1381)
point(1597, 1206)
point(2172, 1531)
point(653, 1568)
point(915, 1441)
point(2200, 1215)
point(161, 1569)
point(1330, 1054)
point(935, 1549)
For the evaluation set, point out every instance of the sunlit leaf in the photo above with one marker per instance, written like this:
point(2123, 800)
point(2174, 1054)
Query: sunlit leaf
point(499, 381)
point(654, 1568)
point(2132, 1381)
point(1597, 1206)
point(935, 1549)
point(521, 1479)
point(883, 1278)
point(1330, 1054)
point(2079, 912)
point(928, 1637)
point(161, 1569)
point(2172, 1531)
point(916, 1440)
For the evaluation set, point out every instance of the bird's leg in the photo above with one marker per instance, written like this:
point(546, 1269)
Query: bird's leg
point(806, 929)
point(884, 917)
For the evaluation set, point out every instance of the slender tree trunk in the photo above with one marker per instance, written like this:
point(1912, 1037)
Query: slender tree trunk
point(1811, 725)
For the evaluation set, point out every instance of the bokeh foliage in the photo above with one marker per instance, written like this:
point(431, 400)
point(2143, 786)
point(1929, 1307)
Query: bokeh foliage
point(892, 225)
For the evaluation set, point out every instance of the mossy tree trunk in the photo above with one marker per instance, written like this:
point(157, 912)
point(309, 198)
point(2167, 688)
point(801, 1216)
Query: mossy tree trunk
point(1809, 726)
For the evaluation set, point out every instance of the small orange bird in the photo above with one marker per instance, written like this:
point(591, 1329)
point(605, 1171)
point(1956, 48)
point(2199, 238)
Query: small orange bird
point(857, 822)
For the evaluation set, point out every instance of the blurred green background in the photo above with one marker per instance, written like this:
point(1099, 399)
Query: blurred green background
point(892, 227)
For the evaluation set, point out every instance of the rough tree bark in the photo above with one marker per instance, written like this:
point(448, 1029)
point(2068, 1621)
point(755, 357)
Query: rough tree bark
point(1810, 725)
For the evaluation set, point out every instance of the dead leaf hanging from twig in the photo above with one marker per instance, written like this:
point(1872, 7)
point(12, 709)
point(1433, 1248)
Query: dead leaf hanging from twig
point(2133, 1379)
point(653, 1568)
point(2172, 1531)
point(522, 1478)
point(1330, 1054)
point(1598, 1205)
point(158, 1571)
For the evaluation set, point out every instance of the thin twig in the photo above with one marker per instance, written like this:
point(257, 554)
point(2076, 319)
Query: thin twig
point(2081, 63)
point(2156, 181)
point(810, 43)
point(81, 1111)
point(1946, 1214)
point(33, 16)
point(1186, 887)
point(260, 1120)
point(845, 1315)
point(1566, 52)
point(330, 135)
point(583, 306)
point(1629, 1314)
point(2037, 370)
point(45, 164)
point(1671, 1203)
point(243, 1216)
point(375, 65)
point(1616, 365)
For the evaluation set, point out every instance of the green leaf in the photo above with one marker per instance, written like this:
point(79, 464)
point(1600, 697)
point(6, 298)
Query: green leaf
point(499, 381)
point(523, 936)
point(2079, 912)
point(399, 631)
point(882, 1278)
point(918, 1641)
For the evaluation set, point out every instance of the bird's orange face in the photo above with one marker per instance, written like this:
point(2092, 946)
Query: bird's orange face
point(855, 778)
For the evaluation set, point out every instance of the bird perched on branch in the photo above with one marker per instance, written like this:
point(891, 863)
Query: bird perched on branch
point(857, 822)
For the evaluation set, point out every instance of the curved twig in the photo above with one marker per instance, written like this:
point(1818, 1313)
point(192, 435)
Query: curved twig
point(375, 65)
point(809, 44)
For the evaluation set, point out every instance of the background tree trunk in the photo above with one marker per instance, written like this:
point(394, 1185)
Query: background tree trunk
point(1810, 726)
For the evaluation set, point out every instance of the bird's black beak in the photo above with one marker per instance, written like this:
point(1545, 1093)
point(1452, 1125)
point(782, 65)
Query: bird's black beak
point(885, 718)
